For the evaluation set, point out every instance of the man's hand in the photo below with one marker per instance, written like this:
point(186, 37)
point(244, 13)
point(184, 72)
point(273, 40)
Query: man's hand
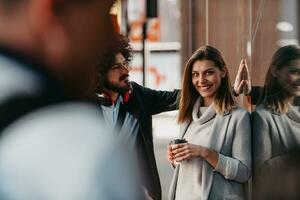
point(242, 83)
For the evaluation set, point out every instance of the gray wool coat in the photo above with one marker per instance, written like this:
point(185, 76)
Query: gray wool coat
point(273, 135)
point(232, 138)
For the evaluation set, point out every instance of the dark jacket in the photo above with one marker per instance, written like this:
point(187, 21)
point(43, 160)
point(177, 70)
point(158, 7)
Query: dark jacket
point(25, 86)
point(144, 103)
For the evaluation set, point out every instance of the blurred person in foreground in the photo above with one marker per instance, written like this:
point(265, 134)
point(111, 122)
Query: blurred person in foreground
point(128, 107)
point(52, 147)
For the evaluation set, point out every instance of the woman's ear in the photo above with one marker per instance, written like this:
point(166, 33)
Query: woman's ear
point(274, 71)
point(224, 71)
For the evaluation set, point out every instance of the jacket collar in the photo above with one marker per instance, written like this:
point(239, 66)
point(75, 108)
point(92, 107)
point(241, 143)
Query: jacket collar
point(104, 98)
point(202, 118)
point(294, 113)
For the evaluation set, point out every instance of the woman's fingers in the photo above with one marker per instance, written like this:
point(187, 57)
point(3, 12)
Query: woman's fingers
point(184, 157)
point(183, 153)
point(239, 77)
point(170, 155)
point(240, 87)
point(241, 67)
point(179, 149)
point(242, 82)
point(246, 79)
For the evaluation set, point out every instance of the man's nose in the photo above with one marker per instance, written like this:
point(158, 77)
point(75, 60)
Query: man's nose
point(126, 67)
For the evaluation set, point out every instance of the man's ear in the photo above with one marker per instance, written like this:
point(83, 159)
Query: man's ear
point(47, 24)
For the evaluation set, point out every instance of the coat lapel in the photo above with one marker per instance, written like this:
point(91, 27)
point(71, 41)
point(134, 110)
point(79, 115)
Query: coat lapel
point(294, 114)
point(172, 191)
point(283, 122)
point(173, 185)
point(219, 130)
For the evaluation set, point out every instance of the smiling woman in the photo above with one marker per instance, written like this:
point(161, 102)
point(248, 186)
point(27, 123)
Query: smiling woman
point(206, 77)
point(205, 59)
point(213, 164)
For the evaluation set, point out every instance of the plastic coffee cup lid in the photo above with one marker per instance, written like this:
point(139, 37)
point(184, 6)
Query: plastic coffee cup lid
point(178, 141)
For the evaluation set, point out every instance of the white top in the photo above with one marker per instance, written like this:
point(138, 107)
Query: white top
point(189, 182)
point(130, 127)
point(231, 137)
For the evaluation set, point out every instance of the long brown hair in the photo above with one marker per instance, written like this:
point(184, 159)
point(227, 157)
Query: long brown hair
point(223, 102)
point(274, 96)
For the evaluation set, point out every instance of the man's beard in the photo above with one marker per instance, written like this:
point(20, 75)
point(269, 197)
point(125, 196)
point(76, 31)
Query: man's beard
point(116, 87)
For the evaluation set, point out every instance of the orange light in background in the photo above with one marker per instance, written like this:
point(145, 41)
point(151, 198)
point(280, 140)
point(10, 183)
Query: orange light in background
point(116, 15)
point(115, 23)
point(153, 32)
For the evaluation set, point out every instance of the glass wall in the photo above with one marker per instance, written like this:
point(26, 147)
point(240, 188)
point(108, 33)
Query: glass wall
point(240, 29)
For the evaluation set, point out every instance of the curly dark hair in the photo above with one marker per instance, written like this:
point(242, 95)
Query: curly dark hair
point(108, 60)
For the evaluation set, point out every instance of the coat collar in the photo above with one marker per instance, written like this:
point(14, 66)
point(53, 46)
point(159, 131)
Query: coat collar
point(294, 113)
point(202, 118)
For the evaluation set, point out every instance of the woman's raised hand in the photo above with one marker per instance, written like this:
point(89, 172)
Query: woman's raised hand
point(242, 83)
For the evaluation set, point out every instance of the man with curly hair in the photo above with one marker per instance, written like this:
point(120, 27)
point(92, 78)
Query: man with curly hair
point(128, 108)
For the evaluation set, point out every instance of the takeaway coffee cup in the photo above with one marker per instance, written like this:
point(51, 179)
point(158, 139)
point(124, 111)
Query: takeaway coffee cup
point(177, 141)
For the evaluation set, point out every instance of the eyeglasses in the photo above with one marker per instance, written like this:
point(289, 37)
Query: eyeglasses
point(120, 66)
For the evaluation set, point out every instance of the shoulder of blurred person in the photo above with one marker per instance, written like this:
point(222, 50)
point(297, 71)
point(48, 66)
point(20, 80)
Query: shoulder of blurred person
point(64, 152)
point(24, 87)
point(60, 151)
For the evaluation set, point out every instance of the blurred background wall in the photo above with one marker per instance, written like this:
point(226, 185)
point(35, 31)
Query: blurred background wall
point(250, 29)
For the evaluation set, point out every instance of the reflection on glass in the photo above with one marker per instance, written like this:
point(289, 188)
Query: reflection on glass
point(276, 121)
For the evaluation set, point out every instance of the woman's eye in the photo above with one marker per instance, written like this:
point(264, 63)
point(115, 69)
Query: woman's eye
point(295, 72)
point(209, 72)
point(194, 74)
